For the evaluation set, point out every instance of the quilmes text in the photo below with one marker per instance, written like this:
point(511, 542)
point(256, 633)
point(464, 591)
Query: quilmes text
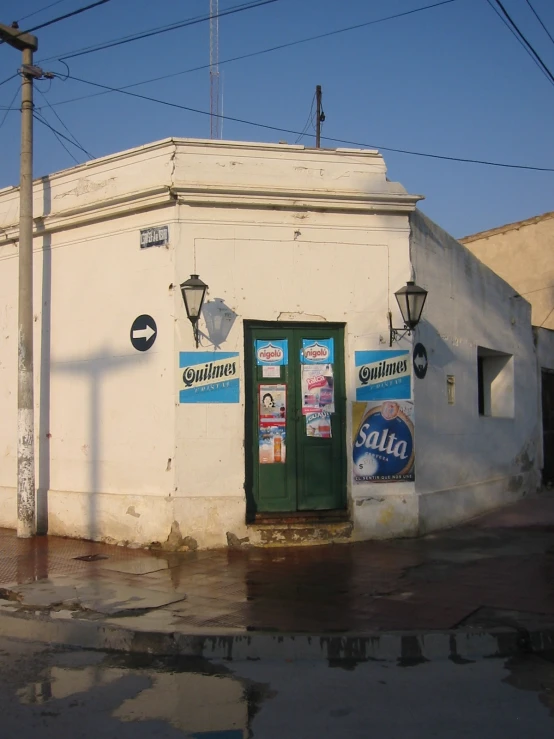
point(198, 375)
point(386, 369)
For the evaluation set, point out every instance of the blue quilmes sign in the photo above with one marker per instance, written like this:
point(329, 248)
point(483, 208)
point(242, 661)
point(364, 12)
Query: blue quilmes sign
point(317, 351)
point(272, 353)
point(209, 377)
point(383, 375)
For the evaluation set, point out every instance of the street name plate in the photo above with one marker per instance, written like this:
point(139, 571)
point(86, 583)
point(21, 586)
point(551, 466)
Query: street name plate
point(156, 236)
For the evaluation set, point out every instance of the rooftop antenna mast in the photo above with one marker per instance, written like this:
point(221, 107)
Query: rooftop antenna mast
point(215, 97)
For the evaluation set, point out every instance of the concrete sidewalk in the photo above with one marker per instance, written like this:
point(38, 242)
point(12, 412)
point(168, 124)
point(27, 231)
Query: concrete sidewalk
point(482, 588)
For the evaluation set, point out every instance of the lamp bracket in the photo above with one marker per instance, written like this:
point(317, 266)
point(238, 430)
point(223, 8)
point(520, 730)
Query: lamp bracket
point(398, 333)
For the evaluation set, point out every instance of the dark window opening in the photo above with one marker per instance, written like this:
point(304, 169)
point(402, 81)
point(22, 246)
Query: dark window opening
point(480, 387)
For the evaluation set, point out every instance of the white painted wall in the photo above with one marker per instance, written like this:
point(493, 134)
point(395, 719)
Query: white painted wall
point(104, 412)
point(466, 463)
point(118, 458)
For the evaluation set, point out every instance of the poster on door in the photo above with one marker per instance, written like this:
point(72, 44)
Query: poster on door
point(272, 423)
point(383, 441)
point(318, 425)
point(320, 351)
point(317, 386)
point(272, 353)
point(273, 405)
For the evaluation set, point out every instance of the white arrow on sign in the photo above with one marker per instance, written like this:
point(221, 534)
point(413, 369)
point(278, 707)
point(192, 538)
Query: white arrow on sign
point(143, 333)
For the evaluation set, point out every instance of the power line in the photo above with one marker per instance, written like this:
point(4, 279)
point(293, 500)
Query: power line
point(308, 121)
point(259, 52)
point(517, 38)
point(520, 34)
point(40, 10)
point(547, 317)
point(9, 108)
point(8, 79)
point(537, 16)
point(160, 29)
point(56, 134)
point(327, 138)
point(59, 135)
point(61, 18)
point(77, 143)
point(68, 15)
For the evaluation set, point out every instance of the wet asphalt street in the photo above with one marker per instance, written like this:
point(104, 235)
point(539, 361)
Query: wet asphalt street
point(51, 693)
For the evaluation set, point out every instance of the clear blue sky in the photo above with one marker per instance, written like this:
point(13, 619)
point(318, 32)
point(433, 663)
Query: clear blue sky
point(451, 80)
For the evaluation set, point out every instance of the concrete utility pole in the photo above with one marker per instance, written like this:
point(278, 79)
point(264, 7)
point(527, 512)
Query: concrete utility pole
point(320, 117)
point(26, 494)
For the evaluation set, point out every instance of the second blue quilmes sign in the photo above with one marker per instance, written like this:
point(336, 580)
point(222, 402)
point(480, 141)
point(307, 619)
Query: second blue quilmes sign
point(383, 375)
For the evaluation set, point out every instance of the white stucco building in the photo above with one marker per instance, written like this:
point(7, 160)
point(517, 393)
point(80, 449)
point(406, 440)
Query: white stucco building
point(294, 420)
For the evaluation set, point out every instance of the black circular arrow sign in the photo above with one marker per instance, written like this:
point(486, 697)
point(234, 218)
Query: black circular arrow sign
point(420, 361)
point(143, 333)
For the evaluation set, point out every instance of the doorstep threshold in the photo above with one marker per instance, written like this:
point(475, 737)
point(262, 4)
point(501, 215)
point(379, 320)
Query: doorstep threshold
point(310, 518)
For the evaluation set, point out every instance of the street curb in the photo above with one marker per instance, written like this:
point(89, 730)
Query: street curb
point(399, 647)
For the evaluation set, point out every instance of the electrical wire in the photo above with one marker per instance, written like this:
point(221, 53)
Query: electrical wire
point(9, 108)
point(8, 79)
point(60, 18)
point(160, 29)
point(251, 54)
point(537, 16)
point(41, 119)
point(68, 15)
point(75, 139)
point(526, 42)
point(308, 121)
point(57, 134)
point(327, 138)
point(517, 38)
point(547, 317)
point(40, 10)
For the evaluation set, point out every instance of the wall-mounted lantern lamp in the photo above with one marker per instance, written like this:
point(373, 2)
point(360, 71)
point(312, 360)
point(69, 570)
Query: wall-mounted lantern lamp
point(193, 292)
point(410, 299)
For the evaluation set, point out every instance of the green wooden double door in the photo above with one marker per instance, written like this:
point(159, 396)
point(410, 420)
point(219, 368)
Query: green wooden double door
point(295, 417)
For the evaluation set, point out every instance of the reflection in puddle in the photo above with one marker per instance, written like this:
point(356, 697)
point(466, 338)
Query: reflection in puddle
point(533, 673)
point(63, 682)
point(192, 696)
point(189, 702)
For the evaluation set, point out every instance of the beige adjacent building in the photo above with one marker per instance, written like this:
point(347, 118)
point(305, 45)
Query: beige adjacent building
point(522, 253)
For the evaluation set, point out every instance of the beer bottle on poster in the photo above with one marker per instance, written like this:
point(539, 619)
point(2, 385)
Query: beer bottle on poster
point(277, 442)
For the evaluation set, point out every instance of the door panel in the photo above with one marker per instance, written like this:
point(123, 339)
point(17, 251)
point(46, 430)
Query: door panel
point(311, 475)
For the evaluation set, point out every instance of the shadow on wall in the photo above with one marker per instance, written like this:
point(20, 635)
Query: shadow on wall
point(219, 319)
point(95, 367)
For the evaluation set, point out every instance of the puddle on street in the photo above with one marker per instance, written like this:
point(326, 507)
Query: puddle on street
point(193, 696)
point(92, 694)
point(533, 673)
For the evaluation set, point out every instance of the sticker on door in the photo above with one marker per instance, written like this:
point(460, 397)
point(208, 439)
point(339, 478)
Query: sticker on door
point(272, 423)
